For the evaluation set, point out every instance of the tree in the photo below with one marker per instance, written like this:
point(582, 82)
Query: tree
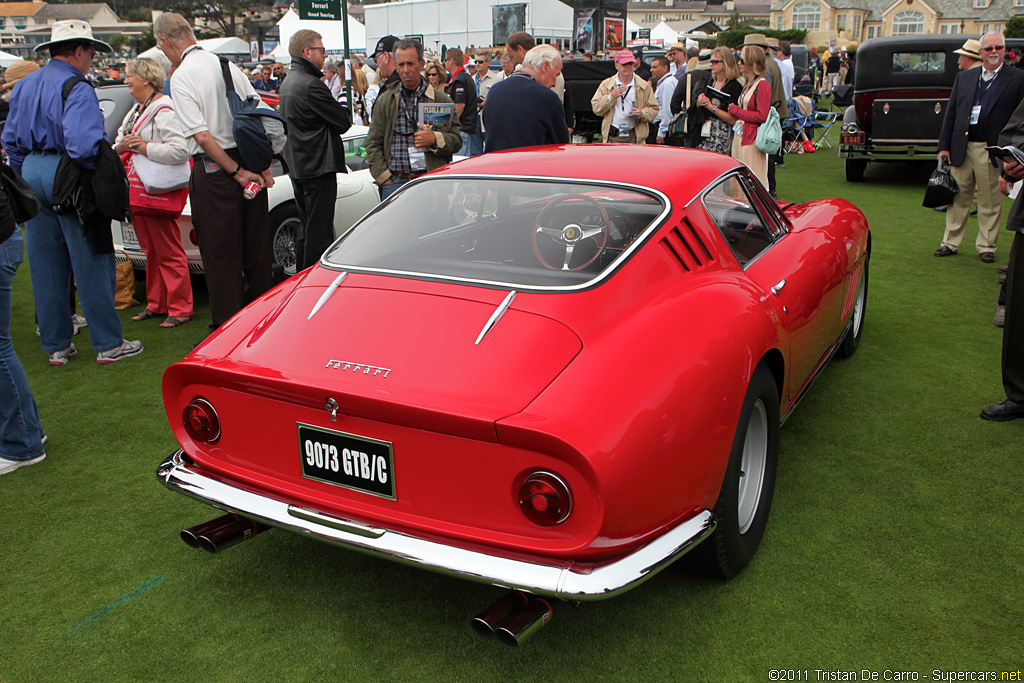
point(1014, 28)
point(118, 41)
point(734, 21)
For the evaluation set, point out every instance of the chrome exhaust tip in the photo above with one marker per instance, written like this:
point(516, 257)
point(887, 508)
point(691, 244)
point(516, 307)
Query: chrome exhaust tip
point(220, 534)
point(513, 618)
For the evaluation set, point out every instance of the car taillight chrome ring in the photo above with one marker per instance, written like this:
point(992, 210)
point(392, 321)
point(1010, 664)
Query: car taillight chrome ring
point(201, 420)
point(545, 498)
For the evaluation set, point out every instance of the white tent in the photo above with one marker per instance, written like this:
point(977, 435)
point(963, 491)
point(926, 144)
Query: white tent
point(330, 30)
point(6, 59)
point(221, 46)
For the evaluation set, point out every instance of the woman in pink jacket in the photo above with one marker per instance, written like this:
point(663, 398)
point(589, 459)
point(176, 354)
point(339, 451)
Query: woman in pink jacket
point(752, 111)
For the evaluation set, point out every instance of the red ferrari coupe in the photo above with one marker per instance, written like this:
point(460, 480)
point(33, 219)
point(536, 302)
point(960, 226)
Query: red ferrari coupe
point(556, 370)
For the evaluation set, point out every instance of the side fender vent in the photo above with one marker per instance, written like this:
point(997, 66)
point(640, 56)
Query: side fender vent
point(685, 246)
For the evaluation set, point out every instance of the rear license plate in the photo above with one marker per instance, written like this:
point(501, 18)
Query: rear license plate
point(128, 236)
point(354, 462)
point(858, 138)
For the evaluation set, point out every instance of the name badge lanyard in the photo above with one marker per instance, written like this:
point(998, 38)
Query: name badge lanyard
point(979, 93)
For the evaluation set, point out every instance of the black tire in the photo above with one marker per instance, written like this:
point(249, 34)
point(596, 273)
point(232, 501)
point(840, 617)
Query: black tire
point(740, 527)
point(860, 304)
point(284, 230)
point(855, 170)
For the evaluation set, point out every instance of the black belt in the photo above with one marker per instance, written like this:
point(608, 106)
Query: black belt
point(46, 152)
point(407, 176)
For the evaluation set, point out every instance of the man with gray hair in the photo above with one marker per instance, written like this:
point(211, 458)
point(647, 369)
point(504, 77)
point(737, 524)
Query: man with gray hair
point(234, 238)
point(314, 152)
point(523, 110)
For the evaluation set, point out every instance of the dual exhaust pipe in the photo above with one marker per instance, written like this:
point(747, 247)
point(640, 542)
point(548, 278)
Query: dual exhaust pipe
point(513, 619)
point(222, 533)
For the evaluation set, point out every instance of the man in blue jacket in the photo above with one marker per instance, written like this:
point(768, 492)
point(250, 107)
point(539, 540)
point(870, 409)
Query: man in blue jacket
point(41, 127)
point(523, 110)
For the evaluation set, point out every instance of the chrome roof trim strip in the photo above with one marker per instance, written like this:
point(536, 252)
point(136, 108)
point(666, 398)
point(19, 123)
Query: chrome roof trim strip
point(496, 316)
point(655, 225)
point(327, 294)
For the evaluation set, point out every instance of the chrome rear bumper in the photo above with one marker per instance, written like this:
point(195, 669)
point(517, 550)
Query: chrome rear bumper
point(563, 580)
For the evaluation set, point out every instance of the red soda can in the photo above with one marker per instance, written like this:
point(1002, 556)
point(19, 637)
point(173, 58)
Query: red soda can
point(251, 190)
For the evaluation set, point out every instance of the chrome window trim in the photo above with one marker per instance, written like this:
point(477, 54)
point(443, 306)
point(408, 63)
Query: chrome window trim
point(500, 284)
point(742, 178)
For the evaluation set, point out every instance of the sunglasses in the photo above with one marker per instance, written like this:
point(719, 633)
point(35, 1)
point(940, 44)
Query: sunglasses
point(433, 75)
point(715, 61)
point(993, 47)
point(481, 61)
point(739, 60)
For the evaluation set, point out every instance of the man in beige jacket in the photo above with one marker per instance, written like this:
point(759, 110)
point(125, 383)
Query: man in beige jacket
point(626, 102)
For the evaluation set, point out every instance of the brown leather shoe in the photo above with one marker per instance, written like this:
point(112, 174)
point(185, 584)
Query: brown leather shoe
point(1003, 269)
point(1002, 279)
point(944, 251)
point(987, 257)
point(1000, 318)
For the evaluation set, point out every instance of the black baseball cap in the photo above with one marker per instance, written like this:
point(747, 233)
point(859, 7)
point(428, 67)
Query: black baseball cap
point(385, 44)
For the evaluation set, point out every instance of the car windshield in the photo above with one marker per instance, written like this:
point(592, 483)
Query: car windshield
point(506, 232)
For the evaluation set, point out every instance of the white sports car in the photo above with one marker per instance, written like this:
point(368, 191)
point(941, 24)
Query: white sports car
point(357, 195)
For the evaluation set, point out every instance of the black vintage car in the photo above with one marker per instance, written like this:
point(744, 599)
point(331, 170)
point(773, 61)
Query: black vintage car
point(901, 88)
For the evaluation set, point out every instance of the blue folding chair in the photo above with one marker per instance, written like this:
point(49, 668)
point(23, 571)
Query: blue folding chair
point(794, 129)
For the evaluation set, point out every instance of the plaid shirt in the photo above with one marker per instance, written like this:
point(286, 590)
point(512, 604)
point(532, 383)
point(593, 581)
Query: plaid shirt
point(405, 127)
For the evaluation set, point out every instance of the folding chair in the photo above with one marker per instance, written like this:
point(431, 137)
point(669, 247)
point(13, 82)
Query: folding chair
point(842, 96)
point(820, 123)
point(794, 129)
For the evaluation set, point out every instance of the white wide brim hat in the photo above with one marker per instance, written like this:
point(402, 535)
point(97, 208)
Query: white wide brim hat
point(73, 29)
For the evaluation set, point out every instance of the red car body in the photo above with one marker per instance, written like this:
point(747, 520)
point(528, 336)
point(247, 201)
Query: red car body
point(631, 387)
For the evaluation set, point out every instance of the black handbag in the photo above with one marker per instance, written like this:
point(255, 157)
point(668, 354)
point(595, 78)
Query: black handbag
point(942, 188)
point(24, 203)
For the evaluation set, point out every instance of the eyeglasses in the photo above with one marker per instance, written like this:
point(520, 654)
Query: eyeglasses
point(322, 49)
point(480, 61)
point(433, 75)
point(715, 61)
point(993, 47)
point(739, 60)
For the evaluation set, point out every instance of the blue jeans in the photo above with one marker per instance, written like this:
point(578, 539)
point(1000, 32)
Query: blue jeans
point(56, 248)
point(472, 144)
point(20, 433)
point(390, 187)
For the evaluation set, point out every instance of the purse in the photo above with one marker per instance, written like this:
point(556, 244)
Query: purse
point(158, 178)
point(769, 134)
point(145, 203)
point(941, 188)
point(24, 202)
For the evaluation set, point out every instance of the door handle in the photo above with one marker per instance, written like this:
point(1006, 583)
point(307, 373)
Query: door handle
point(778, 288)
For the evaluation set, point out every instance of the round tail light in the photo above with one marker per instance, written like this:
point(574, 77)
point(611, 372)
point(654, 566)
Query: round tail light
point(545, 499)
point(193, 238)
point(201, 421)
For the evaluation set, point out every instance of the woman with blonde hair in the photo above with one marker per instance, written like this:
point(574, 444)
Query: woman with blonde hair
point(752, 110)
point(359, 87)
point(436, 75)
point(151, 129)
point(714, 125)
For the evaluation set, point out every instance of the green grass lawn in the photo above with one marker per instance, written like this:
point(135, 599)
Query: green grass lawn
point(895, 540)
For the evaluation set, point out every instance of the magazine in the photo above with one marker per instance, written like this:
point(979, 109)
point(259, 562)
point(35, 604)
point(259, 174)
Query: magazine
point(437, 116)
point(1008, 152)
point(720, 99)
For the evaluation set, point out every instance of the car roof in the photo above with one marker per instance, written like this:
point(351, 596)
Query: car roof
point(680, 173)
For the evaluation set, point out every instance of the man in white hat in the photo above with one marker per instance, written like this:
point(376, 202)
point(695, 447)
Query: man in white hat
point(40, 128)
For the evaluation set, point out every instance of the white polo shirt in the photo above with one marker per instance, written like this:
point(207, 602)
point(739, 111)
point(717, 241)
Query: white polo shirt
point(197, 89)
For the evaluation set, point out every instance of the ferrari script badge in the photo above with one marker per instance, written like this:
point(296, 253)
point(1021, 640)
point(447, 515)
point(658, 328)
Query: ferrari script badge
point(358, 367)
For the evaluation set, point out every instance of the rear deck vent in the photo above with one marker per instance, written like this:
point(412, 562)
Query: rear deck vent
point(686, 247)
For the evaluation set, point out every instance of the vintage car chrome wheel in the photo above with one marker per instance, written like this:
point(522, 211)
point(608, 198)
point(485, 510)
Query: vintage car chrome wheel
point(852, 340)
point(284, 231)
point(587, 224)
point(745, 500)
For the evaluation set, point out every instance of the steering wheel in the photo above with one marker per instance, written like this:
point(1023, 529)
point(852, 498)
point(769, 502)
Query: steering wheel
point(590, 224)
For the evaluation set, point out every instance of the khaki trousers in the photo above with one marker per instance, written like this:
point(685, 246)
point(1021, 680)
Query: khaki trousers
point(976, 172)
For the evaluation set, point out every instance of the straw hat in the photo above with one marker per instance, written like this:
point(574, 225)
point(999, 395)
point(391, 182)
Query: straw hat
point(73, 29)
point(757, 39)
point(971, 48)
point(17, 71)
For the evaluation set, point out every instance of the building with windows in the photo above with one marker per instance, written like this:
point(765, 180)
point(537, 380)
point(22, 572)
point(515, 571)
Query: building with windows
point(650, 13)
point(854, 21)
point(23, 25)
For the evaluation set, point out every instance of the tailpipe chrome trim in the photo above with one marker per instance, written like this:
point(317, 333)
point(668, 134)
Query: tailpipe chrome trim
point(220, 534)
point(513, 619)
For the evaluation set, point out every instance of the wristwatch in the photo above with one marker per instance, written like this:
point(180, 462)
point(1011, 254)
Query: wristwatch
point(237, 169)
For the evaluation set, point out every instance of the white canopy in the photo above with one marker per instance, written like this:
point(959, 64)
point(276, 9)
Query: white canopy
point(330, 30)
point(220, 46)
point(6, 59)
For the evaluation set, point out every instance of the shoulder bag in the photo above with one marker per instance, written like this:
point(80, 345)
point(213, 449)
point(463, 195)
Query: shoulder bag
point(156, 177)
point(24, 202)
point(769, 133)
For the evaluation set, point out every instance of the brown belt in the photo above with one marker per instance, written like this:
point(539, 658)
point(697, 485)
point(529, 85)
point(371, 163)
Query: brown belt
point(407, 176)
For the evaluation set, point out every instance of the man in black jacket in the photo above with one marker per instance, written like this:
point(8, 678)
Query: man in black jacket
point(980, 104)
point(315, 152)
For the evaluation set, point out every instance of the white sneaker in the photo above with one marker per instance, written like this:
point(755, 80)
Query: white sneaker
point(125, 350)
point(78, 322)
point(11, 465)
point(61, 357)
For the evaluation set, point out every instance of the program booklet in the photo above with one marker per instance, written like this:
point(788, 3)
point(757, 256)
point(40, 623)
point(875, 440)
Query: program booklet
point(437, 116)
point(720, 99)
point(1008, 152)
